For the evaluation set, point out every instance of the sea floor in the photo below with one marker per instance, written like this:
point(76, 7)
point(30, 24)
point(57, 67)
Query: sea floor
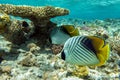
point(31, 62)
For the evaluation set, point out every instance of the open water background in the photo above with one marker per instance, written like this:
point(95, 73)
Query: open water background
point(83, 9)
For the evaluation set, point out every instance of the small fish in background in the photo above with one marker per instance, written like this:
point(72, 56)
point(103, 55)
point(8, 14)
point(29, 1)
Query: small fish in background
point(59, 35)
point(85, 51)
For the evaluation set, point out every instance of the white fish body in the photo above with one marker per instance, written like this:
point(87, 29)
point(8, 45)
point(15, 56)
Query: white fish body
point(58, 36)
point(75, 52)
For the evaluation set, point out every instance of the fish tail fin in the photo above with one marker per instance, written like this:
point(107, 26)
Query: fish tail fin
point(71, 30)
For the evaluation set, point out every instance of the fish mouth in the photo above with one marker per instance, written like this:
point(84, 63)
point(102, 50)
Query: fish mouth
point(63, 55)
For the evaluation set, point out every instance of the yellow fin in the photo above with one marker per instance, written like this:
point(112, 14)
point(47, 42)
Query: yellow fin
point(97, 42)
point(102, 49)
point(71, 30)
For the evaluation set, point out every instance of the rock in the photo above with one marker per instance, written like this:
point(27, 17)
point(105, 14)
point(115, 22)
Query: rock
point(6, 69)
point(80, 71)
point(56, 48)
point(28, 60)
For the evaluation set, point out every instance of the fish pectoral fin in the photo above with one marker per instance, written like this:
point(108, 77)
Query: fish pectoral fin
point(103, 54)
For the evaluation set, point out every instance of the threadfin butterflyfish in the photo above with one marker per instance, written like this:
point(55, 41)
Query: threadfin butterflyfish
point(59, 35)
point(85, 51)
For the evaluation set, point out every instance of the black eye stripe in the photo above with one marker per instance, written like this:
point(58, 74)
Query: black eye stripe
point(63, 55)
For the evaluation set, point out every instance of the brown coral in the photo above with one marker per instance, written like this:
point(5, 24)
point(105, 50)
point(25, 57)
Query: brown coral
point(40, 16)
point(33, 13)
point(16, 31)
point(4, 20)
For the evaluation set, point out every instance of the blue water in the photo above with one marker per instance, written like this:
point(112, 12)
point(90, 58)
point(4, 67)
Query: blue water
point(83, 9)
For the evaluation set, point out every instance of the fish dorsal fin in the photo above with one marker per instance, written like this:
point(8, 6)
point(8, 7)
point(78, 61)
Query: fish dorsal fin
point(102, 49)
point(97, 42)
point(71, 30)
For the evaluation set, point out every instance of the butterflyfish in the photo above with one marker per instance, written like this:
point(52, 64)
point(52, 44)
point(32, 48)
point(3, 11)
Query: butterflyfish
point(72, 31)
point(85, 51)
point(59, 35)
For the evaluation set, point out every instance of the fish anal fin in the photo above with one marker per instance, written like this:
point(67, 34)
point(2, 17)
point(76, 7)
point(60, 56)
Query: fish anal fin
point(105, 51)
point(101, 59)
point(103, 54)
point(102, 49)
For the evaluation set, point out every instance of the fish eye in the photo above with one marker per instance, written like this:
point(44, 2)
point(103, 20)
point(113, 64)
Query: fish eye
point(63, 55)
point(25, 24)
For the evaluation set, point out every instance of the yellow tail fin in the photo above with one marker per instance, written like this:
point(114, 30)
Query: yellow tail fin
point(102, 49)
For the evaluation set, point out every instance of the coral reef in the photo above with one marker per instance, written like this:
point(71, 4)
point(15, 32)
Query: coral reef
point(31, 62)
point(40, 16)
point(16, 31)
point(4, 21)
